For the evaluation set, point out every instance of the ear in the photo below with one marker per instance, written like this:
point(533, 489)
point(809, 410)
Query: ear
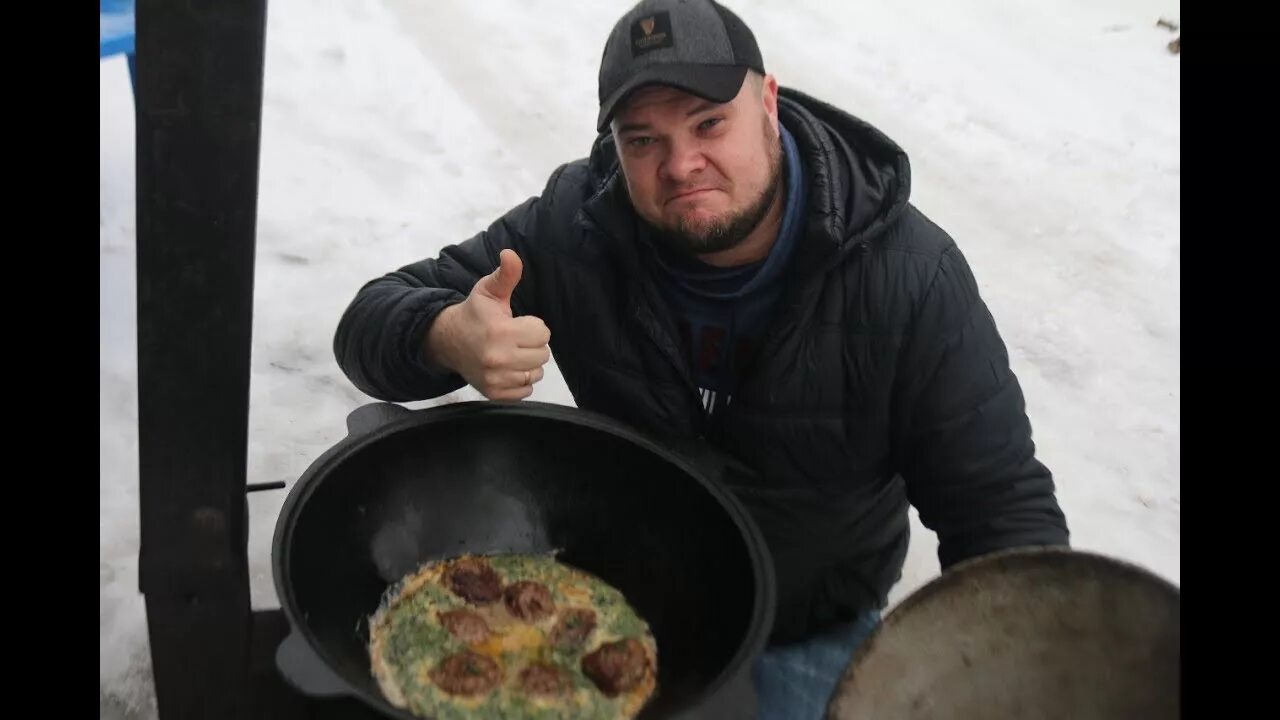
point(769, 96)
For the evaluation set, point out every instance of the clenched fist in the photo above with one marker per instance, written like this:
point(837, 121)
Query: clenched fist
point(499, 355)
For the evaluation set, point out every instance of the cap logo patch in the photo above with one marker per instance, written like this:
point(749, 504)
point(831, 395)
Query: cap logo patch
point(651, 33)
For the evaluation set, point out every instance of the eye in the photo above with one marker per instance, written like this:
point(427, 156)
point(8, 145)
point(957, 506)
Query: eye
point(709, 123)
point(640, 142)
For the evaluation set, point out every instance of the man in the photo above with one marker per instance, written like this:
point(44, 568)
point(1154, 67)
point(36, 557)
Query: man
point(737, 264)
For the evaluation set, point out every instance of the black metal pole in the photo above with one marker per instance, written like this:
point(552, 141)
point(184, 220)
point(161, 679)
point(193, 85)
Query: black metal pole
point(199, 102)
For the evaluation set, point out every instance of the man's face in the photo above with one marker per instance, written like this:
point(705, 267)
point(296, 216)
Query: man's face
point(704, 174)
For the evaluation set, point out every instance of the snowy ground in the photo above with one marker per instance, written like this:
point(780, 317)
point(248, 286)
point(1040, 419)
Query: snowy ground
point(1043, 136)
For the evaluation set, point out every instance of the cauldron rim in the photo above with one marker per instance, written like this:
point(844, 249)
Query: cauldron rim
point(384, 420)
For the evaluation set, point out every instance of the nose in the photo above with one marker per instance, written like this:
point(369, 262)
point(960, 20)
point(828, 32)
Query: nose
point(684, 160)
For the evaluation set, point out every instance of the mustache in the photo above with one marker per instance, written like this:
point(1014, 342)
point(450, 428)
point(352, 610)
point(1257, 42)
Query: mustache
point(672, 191)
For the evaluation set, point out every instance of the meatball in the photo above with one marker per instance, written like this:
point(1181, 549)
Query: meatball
point(544, 679)
point(573, 627)
point(617, 666)
point(529, 601)
point(466, 625)
point(473, 580)
point(467, 673)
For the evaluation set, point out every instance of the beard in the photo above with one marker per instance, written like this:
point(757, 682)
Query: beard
point(729, 230)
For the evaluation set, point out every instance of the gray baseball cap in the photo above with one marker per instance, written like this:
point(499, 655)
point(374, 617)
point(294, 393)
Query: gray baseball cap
point(698, 46)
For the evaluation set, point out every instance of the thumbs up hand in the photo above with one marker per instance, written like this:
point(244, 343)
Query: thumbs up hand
point(499, 355)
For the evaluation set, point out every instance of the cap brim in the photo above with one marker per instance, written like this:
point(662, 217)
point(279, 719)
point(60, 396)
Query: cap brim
point(717, 83)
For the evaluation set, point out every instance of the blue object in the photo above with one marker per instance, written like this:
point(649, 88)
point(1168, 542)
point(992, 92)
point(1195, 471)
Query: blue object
point(795, 682)
point(116, 34)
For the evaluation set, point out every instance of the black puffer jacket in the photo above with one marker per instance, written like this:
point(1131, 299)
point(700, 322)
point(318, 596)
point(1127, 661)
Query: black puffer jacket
point(883, 378)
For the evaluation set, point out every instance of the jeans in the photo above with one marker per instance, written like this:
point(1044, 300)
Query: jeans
point(796, 682)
